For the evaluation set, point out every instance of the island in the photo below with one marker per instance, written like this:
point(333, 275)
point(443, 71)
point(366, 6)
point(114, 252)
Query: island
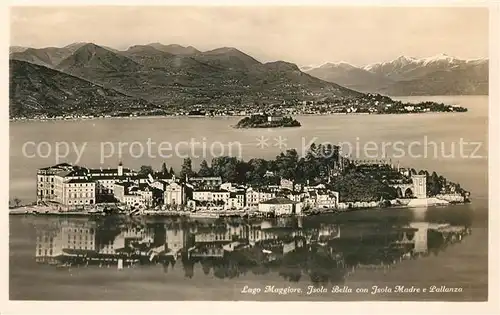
point(321, 181)
point(267, 121)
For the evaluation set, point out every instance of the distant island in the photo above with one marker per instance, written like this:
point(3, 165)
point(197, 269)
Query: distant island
point(267, 121)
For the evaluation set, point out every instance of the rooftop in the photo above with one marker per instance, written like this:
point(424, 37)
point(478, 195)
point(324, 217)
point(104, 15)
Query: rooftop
point(74, 181)
point(60, 165)
point(107, 170)
point(205, 178)
point(123, 177)
point(211, 190)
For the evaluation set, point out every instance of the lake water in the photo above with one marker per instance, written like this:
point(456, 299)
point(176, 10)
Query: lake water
point(463, 264)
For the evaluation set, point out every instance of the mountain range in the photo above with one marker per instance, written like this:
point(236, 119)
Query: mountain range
point(165, 76)
point(85, 77)
point(436, 75)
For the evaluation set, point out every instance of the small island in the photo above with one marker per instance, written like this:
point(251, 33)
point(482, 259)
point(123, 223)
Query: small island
point(267, 121)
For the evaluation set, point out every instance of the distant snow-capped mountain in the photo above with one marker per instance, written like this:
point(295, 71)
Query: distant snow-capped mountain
point(346, 74)
point(449, 75)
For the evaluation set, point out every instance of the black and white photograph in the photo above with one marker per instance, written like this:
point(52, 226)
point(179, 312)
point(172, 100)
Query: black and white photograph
point(248, 153)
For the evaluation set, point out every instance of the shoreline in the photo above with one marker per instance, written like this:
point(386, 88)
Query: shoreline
point(213, 116)
point(420, 203)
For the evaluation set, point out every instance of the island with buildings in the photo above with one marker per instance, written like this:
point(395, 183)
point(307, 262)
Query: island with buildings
point(267, 121)
point(321, 181)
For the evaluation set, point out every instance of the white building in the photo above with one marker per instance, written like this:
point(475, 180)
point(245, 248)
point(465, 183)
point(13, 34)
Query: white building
point(327, 199)
point(174, 194)
point(78, 192)
point(286, 184)
point(254, 196)
point(236, 201)
point(133, 195)
point(73, 186)
point(280, 206)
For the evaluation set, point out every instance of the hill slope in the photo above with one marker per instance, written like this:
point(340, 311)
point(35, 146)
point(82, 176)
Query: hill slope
point(220, 76)
point(175, 49)
point(49, 56)
point(91, 61)
point(37, 90)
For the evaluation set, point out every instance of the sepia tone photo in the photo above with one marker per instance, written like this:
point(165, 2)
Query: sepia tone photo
point(248, 153)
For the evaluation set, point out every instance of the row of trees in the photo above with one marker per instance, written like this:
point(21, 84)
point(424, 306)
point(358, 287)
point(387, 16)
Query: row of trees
point(315, 166)
point(354, 183)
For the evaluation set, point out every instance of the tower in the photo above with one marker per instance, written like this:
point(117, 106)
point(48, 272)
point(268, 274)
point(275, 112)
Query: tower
point(120, 169)
point(419, 186)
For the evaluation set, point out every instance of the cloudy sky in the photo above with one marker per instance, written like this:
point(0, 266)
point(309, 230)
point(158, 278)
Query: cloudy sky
point(303, 35)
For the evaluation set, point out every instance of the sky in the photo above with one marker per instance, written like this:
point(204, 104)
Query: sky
point(303, 35)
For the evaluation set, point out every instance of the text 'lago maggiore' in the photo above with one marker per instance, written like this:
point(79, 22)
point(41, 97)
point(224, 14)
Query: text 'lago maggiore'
point(309, 290)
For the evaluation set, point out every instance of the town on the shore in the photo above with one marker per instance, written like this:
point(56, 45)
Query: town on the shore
point(321, 181)
point(368, 104)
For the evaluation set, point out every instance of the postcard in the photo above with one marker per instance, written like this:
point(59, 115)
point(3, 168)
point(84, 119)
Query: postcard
point(249, 153)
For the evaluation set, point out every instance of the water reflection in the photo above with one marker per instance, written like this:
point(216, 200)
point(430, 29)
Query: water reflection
point(321, 250)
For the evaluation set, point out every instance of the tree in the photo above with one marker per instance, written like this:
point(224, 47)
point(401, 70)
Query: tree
point(186, 168)
point(358, 187)
point(145, 170)
point(164, 169)
point(256, 170)
point(204, 169)
point(286, 164)
point(227, 168)
point(17, 201)
point(433, 184)
point(171, 171)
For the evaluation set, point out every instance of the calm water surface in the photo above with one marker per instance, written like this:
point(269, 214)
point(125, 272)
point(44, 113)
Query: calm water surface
point(317, 251)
